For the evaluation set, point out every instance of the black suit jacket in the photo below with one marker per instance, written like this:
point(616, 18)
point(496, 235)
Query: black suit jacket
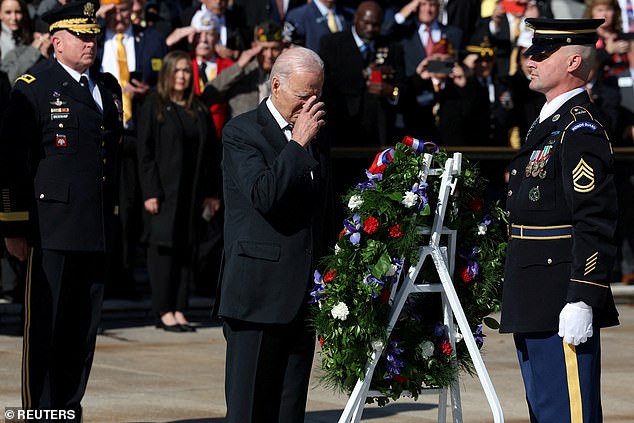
point(161, 159)
point(576, 188)
point(59, 160)
point(255, 12)
point(274, 218)
point(354, 116)
point(310, 25)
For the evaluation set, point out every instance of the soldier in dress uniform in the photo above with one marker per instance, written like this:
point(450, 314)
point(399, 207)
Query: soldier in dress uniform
point(59, 145)
point(562, 213)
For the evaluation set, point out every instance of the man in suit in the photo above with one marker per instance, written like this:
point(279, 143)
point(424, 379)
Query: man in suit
point(318, 18)
point(561, 202)
point(276, 181)
point(361, 89)
point(134, 56)
point(58, 176)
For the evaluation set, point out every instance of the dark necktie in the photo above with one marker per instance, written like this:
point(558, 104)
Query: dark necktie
point(83, 81)
point(202, 71)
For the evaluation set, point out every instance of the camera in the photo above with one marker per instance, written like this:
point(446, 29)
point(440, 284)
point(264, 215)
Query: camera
point(440, 66)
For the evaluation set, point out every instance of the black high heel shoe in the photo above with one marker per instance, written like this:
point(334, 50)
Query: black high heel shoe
point(187, 327)
point(170, 328)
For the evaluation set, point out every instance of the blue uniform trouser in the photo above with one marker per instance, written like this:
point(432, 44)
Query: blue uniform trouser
point(562, 382)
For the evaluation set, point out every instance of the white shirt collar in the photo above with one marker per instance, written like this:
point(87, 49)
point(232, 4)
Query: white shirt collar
point(126, 34)
point(552, 106)
point(276, 115)
point(358, 39)
point(73, 73)
point(322, 8)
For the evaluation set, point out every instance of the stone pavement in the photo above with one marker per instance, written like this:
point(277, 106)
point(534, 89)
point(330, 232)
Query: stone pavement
point(142, 374)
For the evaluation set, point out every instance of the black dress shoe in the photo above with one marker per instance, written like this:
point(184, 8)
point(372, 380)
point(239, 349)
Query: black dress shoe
point(170, 328)
point(188, 328)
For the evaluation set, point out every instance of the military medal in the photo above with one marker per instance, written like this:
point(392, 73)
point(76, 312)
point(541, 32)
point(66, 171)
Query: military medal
point(542, 174)
point(555, 118)
point(57, 102)
point(534, 194)
point(60, 141)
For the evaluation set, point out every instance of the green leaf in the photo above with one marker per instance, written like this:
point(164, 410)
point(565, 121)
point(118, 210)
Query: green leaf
point(491, 323)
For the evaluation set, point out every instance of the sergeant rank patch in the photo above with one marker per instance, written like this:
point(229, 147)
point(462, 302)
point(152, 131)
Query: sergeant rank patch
point(583, 177)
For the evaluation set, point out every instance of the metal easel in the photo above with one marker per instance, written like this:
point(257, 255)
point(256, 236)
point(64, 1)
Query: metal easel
point(452, 309)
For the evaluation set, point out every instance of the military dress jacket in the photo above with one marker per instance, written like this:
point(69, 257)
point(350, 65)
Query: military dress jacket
point(562, 212)
point(59, 160)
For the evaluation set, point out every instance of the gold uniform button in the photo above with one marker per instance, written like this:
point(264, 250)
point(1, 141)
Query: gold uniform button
point(103, 144)
point(549, 261)
point(509, 193)
point(105, 161)
point(514, 172)
point(103, 178)
point(61, 125)
point(102, 127)
point(41, 196)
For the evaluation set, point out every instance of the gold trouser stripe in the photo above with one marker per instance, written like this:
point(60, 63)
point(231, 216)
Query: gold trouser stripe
point(574, 388)
point(26, 386)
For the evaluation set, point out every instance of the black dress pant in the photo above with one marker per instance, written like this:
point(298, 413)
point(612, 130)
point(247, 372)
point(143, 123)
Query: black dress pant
point(64, 293)
point(169, 270)
point(267, 370)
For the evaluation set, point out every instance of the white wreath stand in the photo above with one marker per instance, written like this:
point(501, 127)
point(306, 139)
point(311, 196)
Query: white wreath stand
point(452, 309)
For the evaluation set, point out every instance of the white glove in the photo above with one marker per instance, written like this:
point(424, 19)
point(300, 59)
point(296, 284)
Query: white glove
point(575, 323)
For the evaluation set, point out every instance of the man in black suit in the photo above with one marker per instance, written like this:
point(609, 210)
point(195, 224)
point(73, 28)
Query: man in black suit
point(318, 18)
point(58, 176)
point(257, 11)
point(142, 51)
point(276, 181)
point(361, 89)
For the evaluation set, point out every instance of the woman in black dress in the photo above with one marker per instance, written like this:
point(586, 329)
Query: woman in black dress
point(179, 172)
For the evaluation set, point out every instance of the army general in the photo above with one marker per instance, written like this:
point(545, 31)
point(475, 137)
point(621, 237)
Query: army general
point(58, 166)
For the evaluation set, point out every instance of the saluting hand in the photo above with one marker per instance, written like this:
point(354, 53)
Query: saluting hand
point(309, 121)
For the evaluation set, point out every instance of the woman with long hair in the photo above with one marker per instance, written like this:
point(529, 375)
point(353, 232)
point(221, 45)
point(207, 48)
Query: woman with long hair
point(16, 25)
point(179, 172)
point(611, 51)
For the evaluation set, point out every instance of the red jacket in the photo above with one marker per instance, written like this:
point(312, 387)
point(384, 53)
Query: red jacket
point(218, 111)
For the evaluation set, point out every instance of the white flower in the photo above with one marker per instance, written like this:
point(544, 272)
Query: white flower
point(337, 249)
point(427, 349)
point(355, 202)
point(482, 229)
point(392, 271)
point(458, 335)
point(411, 271)
point(340, 311)
point(377, 345)
point(409, 199)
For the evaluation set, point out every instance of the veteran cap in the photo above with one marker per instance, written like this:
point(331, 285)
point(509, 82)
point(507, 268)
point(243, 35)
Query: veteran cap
point(76, 17)
point(551, 34)
point(484, 49)
point(267, 31)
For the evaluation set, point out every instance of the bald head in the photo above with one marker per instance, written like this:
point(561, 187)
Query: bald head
point(368, 20)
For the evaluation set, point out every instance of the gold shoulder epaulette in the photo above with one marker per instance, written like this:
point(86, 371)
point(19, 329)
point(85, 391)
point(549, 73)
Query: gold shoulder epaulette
point(28, 78)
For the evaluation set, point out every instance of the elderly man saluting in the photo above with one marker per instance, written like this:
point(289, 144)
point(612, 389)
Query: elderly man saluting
point(561, 200)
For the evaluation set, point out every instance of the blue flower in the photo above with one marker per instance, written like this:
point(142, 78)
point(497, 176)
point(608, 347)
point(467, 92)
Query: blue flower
point(479, 336)
point(319, 288)
point(352, 229)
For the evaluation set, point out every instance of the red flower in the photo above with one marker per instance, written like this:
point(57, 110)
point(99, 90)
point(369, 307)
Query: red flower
point(465, 275)
point(321, 341)
point(446, 347)
point(330, 275)
point(399, 378)
point(342, 233)
point(476, 204)
point(395, 231)
point(371, 225)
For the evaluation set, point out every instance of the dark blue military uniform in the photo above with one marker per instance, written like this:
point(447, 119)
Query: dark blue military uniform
point(562, 205)
point(58, 182)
